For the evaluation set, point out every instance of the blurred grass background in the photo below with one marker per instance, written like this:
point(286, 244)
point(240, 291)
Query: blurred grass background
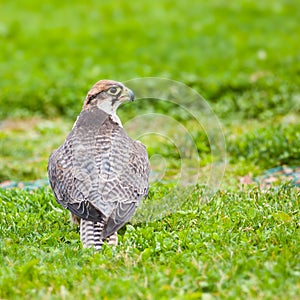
point(243, 56)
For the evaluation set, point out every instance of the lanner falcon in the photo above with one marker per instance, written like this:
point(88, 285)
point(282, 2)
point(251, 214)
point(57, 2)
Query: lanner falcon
point(99, 173)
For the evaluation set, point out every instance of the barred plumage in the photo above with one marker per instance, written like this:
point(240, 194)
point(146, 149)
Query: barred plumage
point(90, 234)
point(99, 173)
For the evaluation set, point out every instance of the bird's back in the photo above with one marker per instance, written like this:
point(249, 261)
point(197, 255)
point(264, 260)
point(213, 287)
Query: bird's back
point(99, 172)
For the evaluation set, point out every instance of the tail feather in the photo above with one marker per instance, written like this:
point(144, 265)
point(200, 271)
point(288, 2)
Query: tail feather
point(90, 235)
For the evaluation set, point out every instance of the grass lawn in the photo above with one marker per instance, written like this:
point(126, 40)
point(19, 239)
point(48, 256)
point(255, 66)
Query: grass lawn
point(243, 58)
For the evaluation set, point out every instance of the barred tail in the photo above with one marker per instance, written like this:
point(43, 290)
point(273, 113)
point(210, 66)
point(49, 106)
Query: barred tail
point(90, 233)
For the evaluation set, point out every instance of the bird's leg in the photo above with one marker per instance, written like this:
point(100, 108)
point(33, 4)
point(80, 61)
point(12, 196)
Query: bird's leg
point(90, 233)
point(74, 219)
point(112, 240)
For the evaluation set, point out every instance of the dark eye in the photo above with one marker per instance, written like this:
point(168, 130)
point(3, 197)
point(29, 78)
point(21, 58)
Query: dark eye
point(114, 90)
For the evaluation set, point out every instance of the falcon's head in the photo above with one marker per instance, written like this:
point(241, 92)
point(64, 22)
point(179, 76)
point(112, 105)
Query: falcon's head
point(108, 95)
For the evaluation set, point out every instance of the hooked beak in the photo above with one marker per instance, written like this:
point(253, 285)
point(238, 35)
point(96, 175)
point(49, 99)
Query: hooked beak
point(127, 95)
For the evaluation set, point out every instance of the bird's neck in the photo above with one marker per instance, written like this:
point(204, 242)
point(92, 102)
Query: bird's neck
point(110, 110)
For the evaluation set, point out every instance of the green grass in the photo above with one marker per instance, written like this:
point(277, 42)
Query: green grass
point(239, 245)
point(243, 57)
